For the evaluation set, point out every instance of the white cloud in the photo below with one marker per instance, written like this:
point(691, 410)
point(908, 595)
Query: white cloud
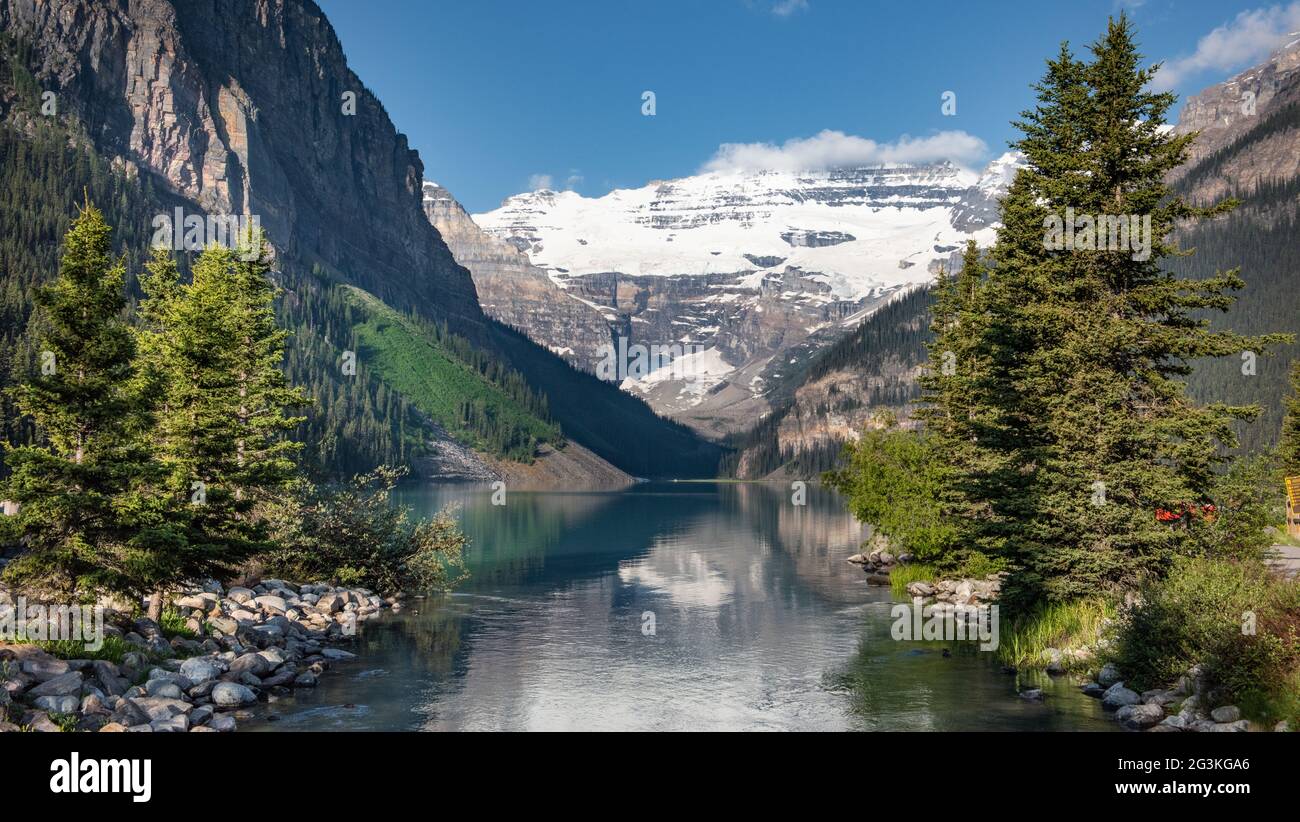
point(835, 149)
point(785, 8)
point(1244, 41)
point(539, 182)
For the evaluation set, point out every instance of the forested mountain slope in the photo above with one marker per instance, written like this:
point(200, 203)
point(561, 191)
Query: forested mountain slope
point(1249, 149)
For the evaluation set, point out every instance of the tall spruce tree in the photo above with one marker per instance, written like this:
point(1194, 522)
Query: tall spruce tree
point(213, 355)
point(264, 452)
point(90, 512)
point(950, 403)
point(1081, 425)
point(1290, 445)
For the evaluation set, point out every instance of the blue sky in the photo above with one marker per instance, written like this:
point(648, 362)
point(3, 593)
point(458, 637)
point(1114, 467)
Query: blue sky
point(500, 97)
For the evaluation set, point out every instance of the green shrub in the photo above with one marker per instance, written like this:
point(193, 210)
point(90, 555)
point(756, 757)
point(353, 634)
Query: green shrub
point(1249, 502)
point(1235, 618)
point(892, 480)
point(978, 565)
point(354, 535)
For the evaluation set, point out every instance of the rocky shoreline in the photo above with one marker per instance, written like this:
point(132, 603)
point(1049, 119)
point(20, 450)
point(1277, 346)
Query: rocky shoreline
point(249, 643)
point(1183, 707)
point(1188, 705)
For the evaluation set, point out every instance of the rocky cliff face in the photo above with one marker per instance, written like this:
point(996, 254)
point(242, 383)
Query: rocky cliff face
point(1229, 111)
point(513, 290)
point(847, 387)
point(248, 107)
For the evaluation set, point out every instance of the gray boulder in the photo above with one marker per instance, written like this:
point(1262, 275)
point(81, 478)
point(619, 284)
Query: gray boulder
point(68, 683)
point(231, 694)
point(200, 669)
point(1109, 675)
point(222, 723)
point(1240, 726)
point(160, 707)
point(251, 663)
point(176, 724)
point(1117, 696)
point(331, 603)
point(224, 625)
point(241, 594)
point(1140, 716)
point(65, 704)
point(45, 668)
point(129, 715)
point(1227, 713)
point(272, 603)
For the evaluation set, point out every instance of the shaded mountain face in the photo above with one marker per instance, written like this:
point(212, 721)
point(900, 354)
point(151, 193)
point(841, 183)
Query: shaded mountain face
point(247, 108)
point(240, 107)
point(739, 276)
point(841, 390)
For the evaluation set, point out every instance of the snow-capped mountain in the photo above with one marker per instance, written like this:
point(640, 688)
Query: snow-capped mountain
point(743, 271)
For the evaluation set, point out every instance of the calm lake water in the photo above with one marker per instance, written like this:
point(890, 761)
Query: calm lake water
point(758, 624)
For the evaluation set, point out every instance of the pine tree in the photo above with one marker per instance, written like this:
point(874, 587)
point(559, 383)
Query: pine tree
point(1290, 445)
point(90, 514)
point(950, 405)
point(264, 452)
point(1082, 424)
point(213, 355)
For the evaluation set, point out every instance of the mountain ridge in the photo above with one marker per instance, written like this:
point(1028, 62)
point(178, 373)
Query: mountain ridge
point(750, 272)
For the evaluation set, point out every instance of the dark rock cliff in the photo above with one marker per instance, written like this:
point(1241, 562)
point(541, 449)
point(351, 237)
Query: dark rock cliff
point(240, 107)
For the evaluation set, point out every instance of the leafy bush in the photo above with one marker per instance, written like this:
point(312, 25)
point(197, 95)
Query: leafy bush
point(1202, 612)
point(1248, 498)
point(892, 479)
point(353, 534)
point(978, 565)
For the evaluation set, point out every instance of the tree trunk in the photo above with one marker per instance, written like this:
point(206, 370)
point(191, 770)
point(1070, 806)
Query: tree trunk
point(155, 606)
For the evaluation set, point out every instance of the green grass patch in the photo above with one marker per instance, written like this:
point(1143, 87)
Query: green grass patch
point(66, 722)
point(900, 576)
point(112, 649)
point(173, 625)
point(478, 403)
point(1025, 640)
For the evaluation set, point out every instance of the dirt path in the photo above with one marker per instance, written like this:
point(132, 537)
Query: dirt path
point(1287, 557)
